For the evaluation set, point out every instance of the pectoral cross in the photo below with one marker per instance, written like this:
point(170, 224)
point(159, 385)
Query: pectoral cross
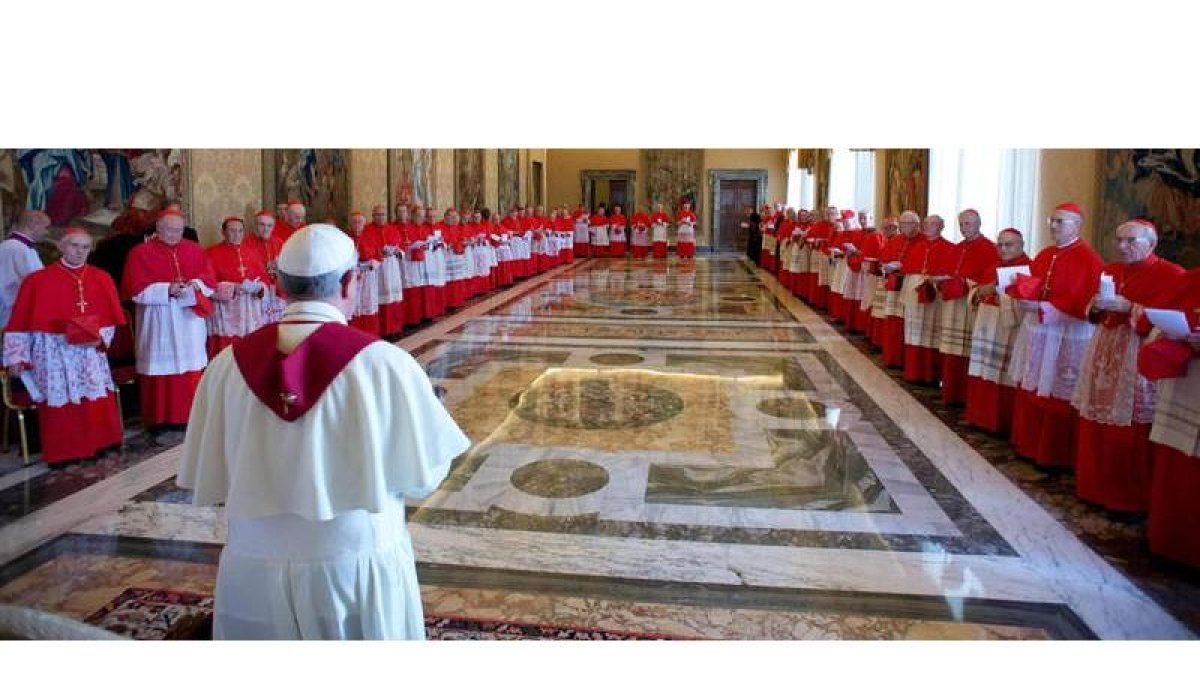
point(241, 263)
point(82, 304)
point(289, 399)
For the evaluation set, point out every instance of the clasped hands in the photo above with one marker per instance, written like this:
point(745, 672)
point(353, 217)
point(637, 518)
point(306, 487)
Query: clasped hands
point(178, 287)
point(1115, 303)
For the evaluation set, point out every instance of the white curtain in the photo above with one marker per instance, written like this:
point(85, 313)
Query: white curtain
point(1000, 184)
point(852, 179)
point(864, 180)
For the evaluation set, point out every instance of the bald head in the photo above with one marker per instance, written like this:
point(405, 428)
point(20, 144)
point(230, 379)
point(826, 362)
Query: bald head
point(296, 214)
point(33, 224)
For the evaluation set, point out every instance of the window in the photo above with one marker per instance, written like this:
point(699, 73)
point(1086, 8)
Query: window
point(1000, 184)
point(852, 179)
point(800, 184)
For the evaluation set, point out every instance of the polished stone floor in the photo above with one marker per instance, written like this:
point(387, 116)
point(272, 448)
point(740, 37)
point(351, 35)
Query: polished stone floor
point(679, 449)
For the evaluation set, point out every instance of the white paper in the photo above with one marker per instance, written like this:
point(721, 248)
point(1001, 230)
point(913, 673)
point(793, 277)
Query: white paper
point(1172, 322)
point(1108, 289)
point(1006, 275)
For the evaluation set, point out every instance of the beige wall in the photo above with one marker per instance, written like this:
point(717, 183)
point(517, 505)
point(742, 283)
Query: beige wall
point(1067, 175)
point(368, 180)
point(563, 167)
point(224, 183)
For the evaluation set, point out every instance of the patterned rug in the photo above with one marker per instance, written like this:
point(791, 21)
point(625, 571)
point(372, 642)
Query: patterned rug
point(157, 614)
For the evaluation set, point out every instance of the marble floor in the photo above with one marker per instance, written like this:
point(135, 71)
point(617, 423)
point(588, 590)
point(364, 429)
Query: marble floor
point(676, 449)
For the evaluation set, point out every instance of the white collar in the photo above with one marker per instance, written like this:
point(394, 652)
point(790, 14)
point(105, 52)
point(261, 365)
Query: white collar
point(313, 310)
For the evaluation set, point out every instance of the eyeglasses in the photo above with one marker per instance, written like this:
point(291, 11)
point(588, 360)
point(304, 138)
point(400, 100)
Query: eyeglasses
point(1058, 221)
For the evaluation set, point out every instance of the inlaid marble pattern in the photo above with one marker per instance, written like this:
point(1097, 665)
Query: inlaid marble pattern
point(747, 473)
point(508, 330)
point(707, 623)
point(649, 290)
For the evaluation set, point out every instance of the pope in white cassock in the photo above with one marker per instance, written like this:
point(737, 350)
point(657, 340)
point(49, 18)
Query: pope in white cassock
point(312, 433)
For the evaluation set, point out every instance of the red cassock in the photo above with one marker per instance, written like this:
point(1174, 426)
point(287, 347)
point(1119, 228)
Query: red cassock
point(640, 231)
point(528, 264)
point(283, 231)
point(1043, 427)
point(1113, 462)
point(511, 266)
point(785, 234)
point(968, 261)
point(891, 332)
point(659, 248)
point(766, 254)
point(990, 404)
point(685, 249)
point(599, 250)
point(267, 251)
point(234, 264)
point(56, 300)
point(870, 245)
point(368, 249)
point(818, 238)
point(925, 256)
point(616, 246)
point(797, 280)
point(391, 314)
point(838, 307)
point(1174, 523)
point(565, 227)
point(416, 287)
point(166, 399)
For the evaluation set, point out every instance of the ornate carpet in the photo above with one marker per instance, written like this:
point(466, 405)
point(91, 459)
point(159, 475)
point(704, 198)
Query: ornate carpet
point(158, 614)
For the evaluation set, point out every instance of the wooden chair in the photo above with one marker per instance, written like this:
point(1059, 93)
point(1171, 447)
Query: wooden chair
point(15, 402)
point(123, 375)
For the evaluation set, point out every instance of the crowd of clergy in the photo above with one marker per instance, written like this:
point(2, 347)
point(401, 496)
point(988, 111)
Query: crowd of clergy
point(1085, 366)
point(151, 296)
point(1075, 360)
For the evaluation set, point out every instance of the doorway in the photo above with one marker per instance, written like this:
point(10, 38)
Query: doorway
point(608, 188)
point(733, 192)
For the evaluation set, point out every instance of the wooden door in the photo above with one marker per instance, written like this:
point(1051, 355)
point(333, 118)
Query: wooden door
point(735, 196)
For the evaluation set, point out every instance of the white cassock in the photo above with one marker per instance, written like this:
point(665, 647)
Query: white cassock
point(317, 545)
point(17, 260)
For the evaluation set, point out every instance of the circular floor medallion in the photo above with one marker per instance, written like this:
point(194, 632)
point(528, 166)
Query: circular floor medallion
point(560, 478)
point(597, 403)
